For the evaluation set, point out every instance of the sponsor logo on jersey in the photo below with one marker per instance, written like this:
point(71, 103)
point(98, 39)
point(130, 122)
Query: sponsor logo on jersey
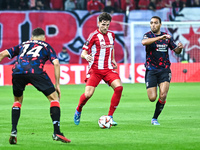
point(106, 46)
point(161, 48)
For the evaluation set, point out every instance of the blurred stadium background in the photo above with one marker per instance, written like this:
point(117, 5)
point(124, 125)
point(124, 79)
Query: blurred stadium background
point(180, 120)
point(71, 29)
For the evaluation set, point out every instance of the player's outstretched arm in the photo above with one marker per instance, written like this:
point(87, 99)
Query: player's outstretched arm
point(179, 48)
point(3, 54)
point(148, 41)
point(57, 76)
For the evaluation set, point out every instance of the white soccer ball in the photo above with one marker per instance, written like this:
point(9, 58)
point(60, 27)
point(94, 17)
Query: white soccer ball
point(105, 122)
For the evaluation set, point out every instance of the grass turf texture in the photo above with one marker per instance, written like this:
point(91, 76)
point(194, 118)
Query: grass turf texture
point(179, 129)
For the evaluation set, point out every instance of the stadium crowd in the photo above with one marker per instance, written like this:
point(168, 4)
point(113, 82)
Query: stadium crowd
point(95, 5)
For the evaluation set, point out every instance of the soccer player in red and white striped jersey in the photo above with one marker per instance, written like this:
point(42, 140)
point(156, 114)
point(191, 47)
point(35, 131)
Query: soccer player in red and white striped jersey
point(98, 50)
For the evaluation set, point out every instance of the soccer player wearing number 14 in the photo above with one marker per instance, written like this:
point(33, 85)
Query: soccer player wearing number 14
point(157, 64)
point(28, 68)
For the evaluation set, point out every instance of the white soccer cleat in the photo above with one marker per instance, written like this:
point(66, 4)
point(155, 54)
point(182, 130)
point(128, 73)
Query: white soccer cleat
point(155, 122)
point(113, 122)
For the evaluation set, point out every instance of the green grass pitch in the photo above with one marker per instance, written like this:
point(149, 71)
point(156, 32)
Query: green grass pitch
point(179, 129)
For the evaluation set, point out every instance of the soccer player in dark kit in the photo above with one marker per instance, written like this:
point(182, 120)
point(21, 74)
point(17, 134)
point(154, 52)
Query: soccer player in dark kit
point(28, 68)
point(157, 64)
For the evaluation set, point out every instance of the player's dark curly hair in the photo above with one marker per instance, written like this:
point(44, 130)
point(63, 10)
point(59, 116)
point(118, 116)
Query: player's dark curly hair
point(38, 31)
point(105, 16)
point(157, 18)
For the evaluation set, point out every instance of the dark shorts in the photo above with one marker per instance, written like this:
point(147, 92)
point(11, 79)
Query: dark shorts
point(155, 77)
point(41, 82)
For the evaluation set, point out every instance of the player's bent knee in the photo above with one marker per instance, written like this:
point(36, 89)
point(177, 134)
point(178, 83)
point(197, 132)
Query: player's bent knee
point(163, 96)
point(152, 99)
point(17, 93)
point(49, 91)
point(53, 96)
point(89, 90)
point(88, 95)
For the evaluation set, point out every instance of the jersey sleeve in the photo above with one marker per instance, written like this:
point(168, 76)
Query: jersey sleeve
point(172, 44)
point(52, 54)
point(145, 36)
point(89, 43)
point(14, 51)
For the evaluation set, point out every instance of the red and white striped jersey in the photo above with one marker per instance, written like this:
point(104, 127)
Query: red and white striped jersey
point(101, 47)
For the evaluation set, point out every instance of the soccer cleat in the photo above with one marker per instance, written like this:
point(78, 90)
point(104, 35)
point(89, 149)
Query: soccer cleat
point(60, 137)
point(77, 117)
point(13, 137)
point(113, 122)
point(155, 122)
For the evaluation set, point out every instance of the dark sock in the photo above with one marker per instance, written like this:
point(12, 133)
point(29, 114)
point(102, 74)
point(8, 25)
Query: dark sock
point(15, 117)
point(159, 107)
point(55, 116)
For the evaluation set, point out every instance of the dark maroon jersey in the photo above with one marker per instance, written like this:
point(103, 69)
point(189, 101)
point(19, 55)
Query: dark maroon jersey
point(31, 56)
point(157, 56)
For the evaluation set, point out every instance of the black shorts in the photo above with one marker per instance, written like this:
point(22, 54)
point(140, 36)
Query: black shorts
point(41, 82)
point(155, 77)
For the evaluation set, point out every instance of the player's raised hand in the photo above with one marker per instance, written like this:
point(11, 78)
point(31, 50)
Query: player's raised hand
point(179, 48)
point(180, 45)
point(165, 36)
point(114, 64)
